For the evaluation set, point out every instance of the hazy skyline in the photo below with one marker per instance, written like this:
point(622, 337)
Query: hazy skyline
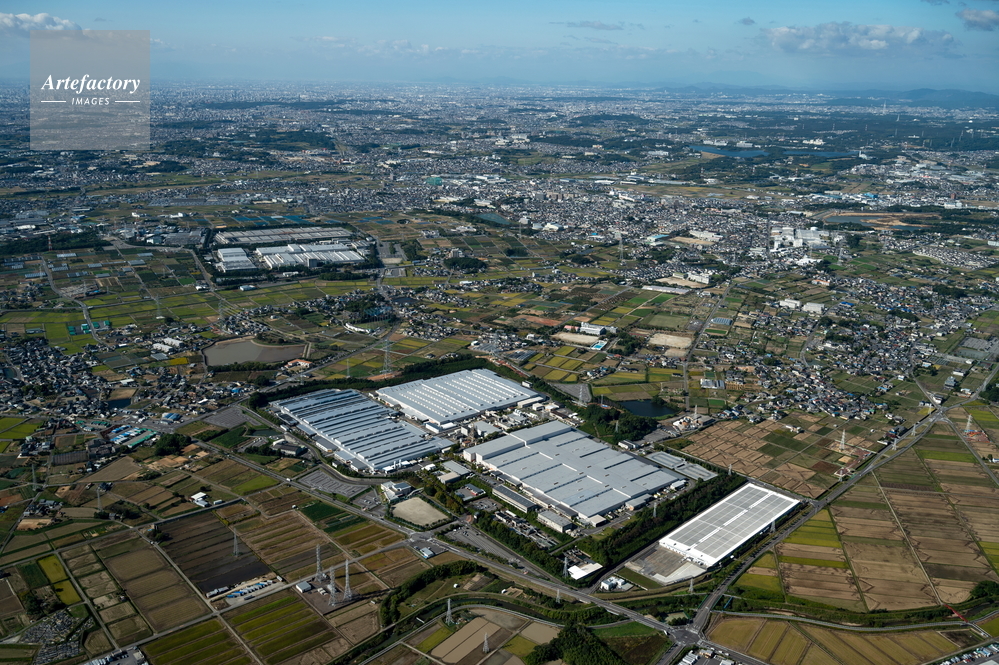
point(892, 44)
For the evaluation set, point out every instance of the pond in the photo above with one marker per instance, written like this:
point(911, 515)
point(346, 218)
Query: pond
point(728, 153)
point(247, 349)
point(645, 407)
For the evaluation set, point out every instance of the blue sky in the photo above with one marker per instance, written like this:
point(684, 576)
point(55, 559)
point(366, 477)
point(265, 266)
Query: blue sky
point(803, 43)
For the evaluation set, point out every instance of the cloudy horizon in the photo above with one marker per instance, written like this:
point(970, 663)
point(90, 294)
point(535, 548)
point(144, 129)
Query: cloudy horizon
point(897, 44)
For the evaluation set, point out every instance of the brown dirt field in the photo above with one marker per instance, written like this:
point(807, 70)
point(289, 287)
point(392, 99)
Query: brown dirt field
point(176, 613)
point(850, 513)
point(952, 591)
point(92, 581)
point(811, 551)
point(893, 595)
point(80, 558)
point(9, 602)
point(539, 633)
point(120, 469)
point(128, 630)
point(882, 529)
point(767, 640)
point(395, 576)
point(135, 564)
point(116, 612)
point(737, 633)
point(790, 649)
point(327, 653)
point(361, 628)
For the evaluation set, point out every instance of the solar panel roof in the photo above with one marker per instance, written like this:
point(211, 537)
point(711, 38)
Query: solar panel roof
point(721, 529)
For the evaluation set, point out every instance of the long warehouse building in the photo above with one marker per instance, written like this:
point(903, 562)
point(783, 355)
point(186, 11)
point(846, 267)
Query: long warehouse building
point(565, 469)
point(357, 430)
point(446, 399)
point(721, 529)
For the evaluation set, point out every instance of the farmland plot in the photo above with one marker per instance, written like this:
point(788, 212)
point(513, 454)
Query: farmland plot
point(162, 597)
point(203, 548)
point(287, 543)
point(283, 627)
point(789, 643)
point(207, 643)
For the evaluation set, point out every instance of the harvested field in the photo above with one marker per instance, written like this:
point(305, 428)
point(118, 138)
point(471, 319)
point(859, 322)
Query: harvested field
point(790, 643)
point(804, 463)
point(236, 477)
point(123, 468)
point(129, 630)
point(468, 640)
point(395, 566)
point(280, 627)
point(207, 643)
point(278, 499)
point(158, 592)
point(909, 544)
point(365, 538)
point(203, 548)
point(287, 543)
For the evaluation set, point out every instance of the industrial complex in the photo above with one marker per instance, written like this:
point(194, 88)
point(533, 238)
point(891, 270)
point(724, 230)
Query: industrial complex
point(721, 529)
point(357, 430)
point(444, 400)
point(567, 470)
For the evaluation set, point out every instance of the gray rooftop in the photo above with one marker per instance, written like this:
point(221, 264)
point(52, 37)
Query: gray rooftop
point(714, 534)
point(347, 421)
point(455, 396)
point(565, 467)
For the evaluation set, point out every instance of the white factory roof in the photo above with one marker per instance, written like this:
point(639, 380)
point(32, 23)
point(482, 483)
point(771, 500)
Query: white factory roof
point(359, 429)
point(292, 255)
point(721, 529)
point(566, 468)
point(455, 396)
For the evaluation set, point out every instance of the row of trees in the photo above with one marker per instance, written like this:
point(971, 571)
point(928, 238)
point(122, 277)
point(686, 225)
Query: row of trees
point(390, 613)
point(574, 645)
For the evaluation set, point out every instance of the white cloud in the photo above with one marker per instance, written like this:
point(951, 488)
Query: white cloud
point(979, 19)
point(18, 25)
point(847, 39)
point(593, 25)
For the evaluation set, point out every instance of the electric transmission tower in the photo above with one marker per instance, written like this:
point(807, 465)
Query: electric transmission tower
point(485, 643)
point(319, 564)
point(448, 619)
point(348, 595)
point(235, 544)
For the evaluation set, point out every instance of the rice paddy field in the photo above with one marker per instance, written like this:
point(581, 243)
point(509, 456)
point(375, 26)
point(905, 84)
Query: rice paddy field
point(203, 547)
point(282, 626)
point(789, 643)
point(162, 597)
point(805, 463)
point(365, 538)
point(207, 643)
point(287, 543)
point(920, 531)
point(238, 478)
